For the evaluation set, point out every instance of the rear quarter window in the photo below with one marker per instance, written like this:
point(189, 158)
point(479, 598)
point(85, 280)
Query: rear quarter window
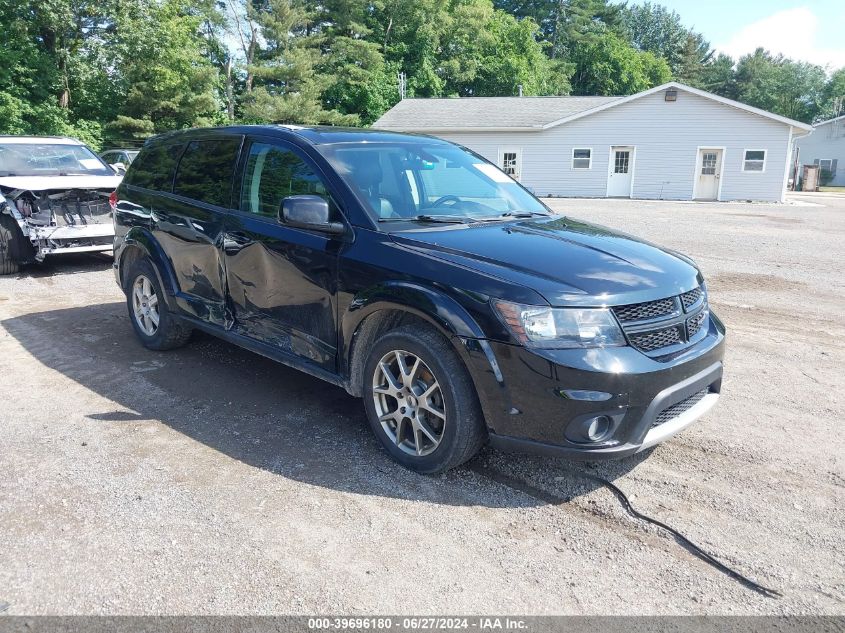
point(154, 167)
point(206, 170)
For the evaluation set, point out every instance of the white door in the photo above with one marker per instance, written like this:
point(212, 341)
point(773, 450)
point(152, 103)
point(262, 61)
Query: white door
point(510, 161)
point(709, 172)
point(621, 172)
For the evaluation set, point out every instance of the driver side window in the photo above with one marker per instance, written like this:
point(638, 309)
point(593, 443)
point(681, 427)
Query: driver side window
point(273, 173)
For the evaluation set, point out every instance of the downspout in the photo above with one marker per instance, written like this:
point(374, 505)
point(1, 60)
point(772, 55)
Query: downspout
point(790, 147)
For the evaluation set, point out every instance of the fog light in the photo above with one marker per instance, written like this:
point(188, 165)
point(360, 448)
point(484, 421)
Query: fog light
point(594, 428)
point(598, 428)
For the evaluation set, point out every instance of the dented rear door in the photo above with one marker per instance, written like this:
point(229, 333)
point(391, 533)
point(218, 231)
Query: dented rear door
point(189, 224)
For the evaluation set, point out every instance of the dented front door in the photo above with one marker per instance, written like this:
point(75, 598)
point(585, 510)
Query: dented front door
point(281, 280)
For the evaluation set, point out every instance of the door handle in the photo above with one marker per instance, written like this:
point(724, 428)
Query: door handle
point(233, 243)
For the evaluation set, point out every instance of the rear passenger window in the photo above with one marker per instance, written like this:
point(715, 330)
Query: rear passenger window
point(206, 169)
point(154, 167)
point(274, 173)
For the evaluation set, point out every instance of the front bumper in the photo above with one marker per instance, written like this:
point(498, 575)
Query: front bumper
point(91, 238)
point(539, 401)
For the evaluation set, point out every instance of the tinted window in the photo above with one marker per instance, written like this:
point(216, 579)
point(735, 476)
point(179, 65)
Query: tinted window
point(205, 171)
point(154, 167)
point(272, 174)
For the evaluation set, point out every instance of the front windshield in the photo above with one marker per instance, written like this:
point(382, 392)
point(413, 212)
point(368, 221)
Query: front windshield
point(426, 178)
point(49, 159)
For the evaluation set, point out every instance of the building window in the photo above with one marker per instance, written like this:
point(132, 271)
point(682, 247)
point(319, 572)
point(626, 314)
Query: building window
point(708, 163)
point(755, 160)
point(510, 162)
point(582, 158)
point(826, 164)
point(621, 161)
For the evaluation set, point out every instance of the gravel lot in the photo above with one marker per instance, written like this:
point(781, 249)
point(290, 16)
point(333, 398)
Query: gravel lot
point(211, 480)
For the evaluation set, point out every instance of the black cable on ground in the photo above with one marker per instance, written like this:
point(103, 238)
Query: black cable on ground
point(688, 544)
point(548, 497)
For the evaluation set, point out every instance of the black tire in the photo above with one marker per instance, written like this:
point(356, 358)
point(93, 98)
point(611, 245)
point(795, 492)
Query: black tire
point(171, 332)
point(9, 246)
point(463, 433)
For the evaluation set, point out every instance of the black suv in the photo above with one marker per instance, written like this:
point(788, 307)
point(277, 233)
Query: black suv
point(417, 275)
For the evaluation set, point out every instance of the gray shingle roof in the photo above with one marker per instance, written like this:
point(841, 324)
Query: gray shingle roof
point(484, 112)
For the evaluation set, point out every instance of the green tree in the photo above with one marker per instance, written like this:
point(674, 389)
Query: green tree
point(489, 53)
point(833, 97)
point(774, 83)
point(567, 24)
point(289, 86)
point(29, 81)
point(465, 48)
point(654, 28)
point(163, 70)
point(610, 66)
point(719, 77)
point(695, 56)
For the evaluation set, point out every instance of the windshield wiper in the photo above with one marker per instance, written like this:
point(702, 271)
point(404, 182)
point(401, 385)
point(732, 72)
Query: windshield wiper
point(524, 214)
point(509, 215)
point(437, 219)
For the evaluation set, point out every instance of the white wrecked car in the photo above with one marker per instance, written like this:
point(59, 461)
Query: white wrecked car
point(54, 198)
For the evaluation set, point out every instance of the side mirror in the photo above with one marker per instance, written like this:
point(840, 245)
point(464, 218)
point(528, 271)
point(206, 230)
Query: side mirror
point(119, 168)
point(309, 212)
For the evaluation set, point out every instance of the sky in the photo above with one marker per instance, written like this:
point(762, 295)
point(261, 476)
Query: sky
point(809, 31)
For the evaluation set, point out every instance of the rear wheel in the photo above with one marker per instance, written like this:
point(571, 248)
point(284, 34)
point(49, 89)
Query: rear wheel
point(9, 246)
point(154, 324)
point(421, 402)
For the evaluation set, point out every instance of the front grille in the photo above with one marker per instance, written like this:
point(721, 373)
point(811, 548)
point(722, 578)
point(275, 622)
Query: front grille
point(690, 298)
point(647, 310)
point(653, 326)
point(694, 323)
point(650, 341)
point(670, 413)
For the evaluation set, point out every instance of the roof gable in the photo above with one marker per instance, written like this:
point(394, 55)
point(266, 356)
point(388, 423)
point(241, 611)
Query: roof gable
point(528, 113)
point(485, 113)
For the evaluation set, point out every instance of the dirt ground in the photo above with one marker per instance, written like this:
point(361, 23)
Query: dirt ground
point(211, 480)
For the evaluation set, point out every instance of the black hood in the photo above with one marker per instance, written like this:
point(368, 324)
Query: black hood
point(568, 262)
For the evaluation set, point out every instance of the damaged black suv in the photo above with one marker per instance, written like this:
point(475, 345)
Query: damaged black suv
point(415, 274)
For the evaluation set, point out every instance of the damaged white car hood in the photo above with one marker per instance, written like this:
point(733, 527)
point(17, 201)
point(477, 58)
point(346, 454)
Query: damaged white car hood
point(42, 183)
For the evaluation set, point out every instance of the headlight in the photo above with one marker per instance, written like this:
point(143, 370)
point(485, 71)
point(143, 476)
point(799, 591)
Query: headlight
point(540, 326)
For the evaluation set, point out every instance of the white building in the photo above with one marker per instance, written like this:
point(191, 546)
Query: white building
point(825, 147)
point(669, 142)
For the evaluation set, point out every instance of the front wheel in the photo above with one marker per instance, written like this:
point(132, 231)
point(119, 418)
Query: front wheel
point(9, 245)
point(421, 402)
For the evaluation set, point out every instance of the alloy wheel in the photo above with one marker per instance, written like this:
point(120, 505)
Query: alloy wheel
point(145, 305)
point(409, 403)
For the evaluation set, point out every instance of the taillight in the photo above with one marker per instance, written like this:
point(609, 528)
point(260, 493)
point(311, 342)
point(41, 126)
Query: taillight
point(113, 199)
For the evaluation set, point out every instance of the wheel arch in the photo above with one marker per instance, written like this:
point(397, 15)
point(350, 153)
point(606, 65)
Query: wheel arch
point(139, 244)
point(390, 305)
point(21, 249)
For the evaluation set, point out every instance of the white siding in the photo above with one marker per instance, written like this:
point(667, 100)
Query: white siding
point(826, 141)
point(666, 136)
